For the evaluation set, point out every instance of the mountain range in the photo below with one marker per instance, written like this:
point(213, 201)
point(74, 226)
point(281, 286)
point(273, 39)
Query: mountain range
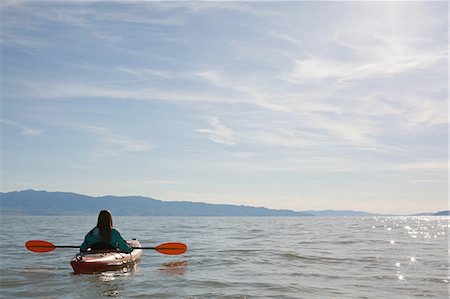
point(31, 202)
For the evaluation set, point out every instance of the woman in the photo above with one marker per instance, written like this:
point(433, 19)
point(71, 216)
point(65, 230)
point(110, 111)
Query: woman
point(104, 236)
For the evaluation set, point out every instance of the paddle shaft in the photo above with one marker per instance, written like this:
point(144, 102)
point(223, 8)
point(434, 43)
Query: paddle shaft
point(56, 246)
point(144, 248)
point(172, 248)
point(66, 246)
point(71, 246)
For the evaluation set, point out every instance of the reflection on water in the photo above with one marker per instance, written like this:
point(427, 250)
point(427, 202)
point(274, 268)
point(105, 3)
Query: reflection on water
point(111, 293)
point(174, 268)
point(115, 273)
point(39, 270)
point(422, 230)
point(105, 284)
point(109, 283)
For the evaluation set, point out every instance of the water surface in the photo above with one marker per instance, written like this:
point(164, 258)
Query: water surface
point(238, 257)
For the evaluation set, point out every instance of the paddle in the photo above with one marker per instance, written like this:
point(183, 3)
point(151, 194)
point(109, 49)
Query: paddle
point(172, 248)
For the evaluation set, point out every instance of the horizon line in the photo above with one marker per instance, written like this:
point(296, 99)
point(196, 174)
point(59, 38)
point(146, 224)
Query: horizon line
point(310, 211)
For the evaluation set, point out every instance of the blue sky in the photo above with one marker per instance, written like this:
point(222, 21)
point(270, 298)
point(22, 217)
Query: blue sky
point(298, 105)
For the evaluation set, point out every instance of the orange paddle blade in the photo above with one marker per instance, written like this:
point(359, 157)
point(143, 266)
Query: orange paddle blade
point(172, 248)
point(39, 246)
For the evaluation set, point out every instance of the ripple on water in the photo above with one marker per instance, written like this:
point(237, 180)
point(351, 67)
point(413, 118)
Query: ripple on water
point(272, 258)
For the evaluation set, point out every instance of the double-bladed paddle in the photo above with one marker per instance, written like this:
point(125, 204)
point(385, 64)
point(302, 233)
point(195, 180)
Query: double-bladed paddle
point(172, 248)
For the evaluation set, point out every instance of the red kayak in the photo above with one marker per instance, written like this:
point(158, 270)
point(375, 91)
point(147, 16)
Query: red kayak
point(105, 260)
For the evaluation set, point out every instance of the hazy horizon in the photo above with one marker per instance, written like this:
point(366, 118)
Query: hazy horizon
point(285, 105)
point(401, 213)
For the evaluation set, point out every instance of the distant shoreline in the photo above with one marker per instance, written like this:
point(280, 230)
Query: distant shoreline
point(43, 203)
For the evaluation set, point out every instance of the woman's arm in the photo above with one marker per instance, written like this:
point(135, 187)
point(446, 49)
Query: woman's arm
point(119, 242)
point(86, 243)
point(89, 240)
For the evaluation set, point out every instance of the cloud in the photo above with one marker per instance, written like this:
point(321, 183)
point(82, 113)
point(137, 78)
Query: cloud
point(425, 181)
point(349, 84)
point(379, 41)
point(24, 130)
point(209, 197)
point(113, 144)
point(218, 132)
point(320, 69)
point(160, 182)
point(277, 136)
point(146, 73)
point(238, 90)
point(24, 43)
point(286, 37)
point(23, 33)
point(313, 110)
point(62, 90)
point(436, 165)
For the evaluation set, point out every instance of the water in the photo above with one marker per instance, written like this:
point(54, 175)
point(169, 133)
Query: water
point(305, 257)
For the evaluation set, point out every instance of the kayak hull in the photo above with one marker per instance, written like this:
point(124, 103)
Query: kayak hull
point(101, 261)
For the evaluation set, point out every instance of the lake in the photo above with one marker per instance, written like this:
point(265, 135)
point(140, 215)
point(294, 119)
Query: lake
point(238, 257)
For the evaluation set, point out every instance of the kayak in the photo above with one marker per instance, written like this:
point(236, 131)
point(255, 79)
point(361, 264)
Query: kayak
point(105, 260)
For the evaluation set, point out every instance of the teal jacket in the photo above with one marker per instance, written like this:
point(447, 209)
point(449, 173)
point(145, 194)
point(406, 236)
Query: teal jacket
point(117, 241)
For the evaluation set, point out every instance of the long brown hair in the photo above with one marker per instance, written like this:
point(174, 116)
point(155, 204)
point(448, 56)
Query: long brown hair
point(105, 225)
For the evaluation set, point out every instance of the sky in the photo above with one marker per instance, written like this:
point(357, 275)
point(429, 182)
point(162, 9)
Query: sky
point(288, 105)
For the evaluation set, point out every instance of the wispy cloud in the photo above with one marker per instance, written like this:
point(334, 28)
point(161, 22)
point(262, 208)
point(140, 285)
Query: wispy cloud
point(161, 182)
point(24, 130)
point(284, 137)
point(63, 90)
point(113, 144)
point(24, 43)
point(378, 48)
point(208, 197)
point(319, 69)
point(283, 36)
point(146, 73)
point(424, 181)
point(314, 111)
point(218, 132)
point(435, 165)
